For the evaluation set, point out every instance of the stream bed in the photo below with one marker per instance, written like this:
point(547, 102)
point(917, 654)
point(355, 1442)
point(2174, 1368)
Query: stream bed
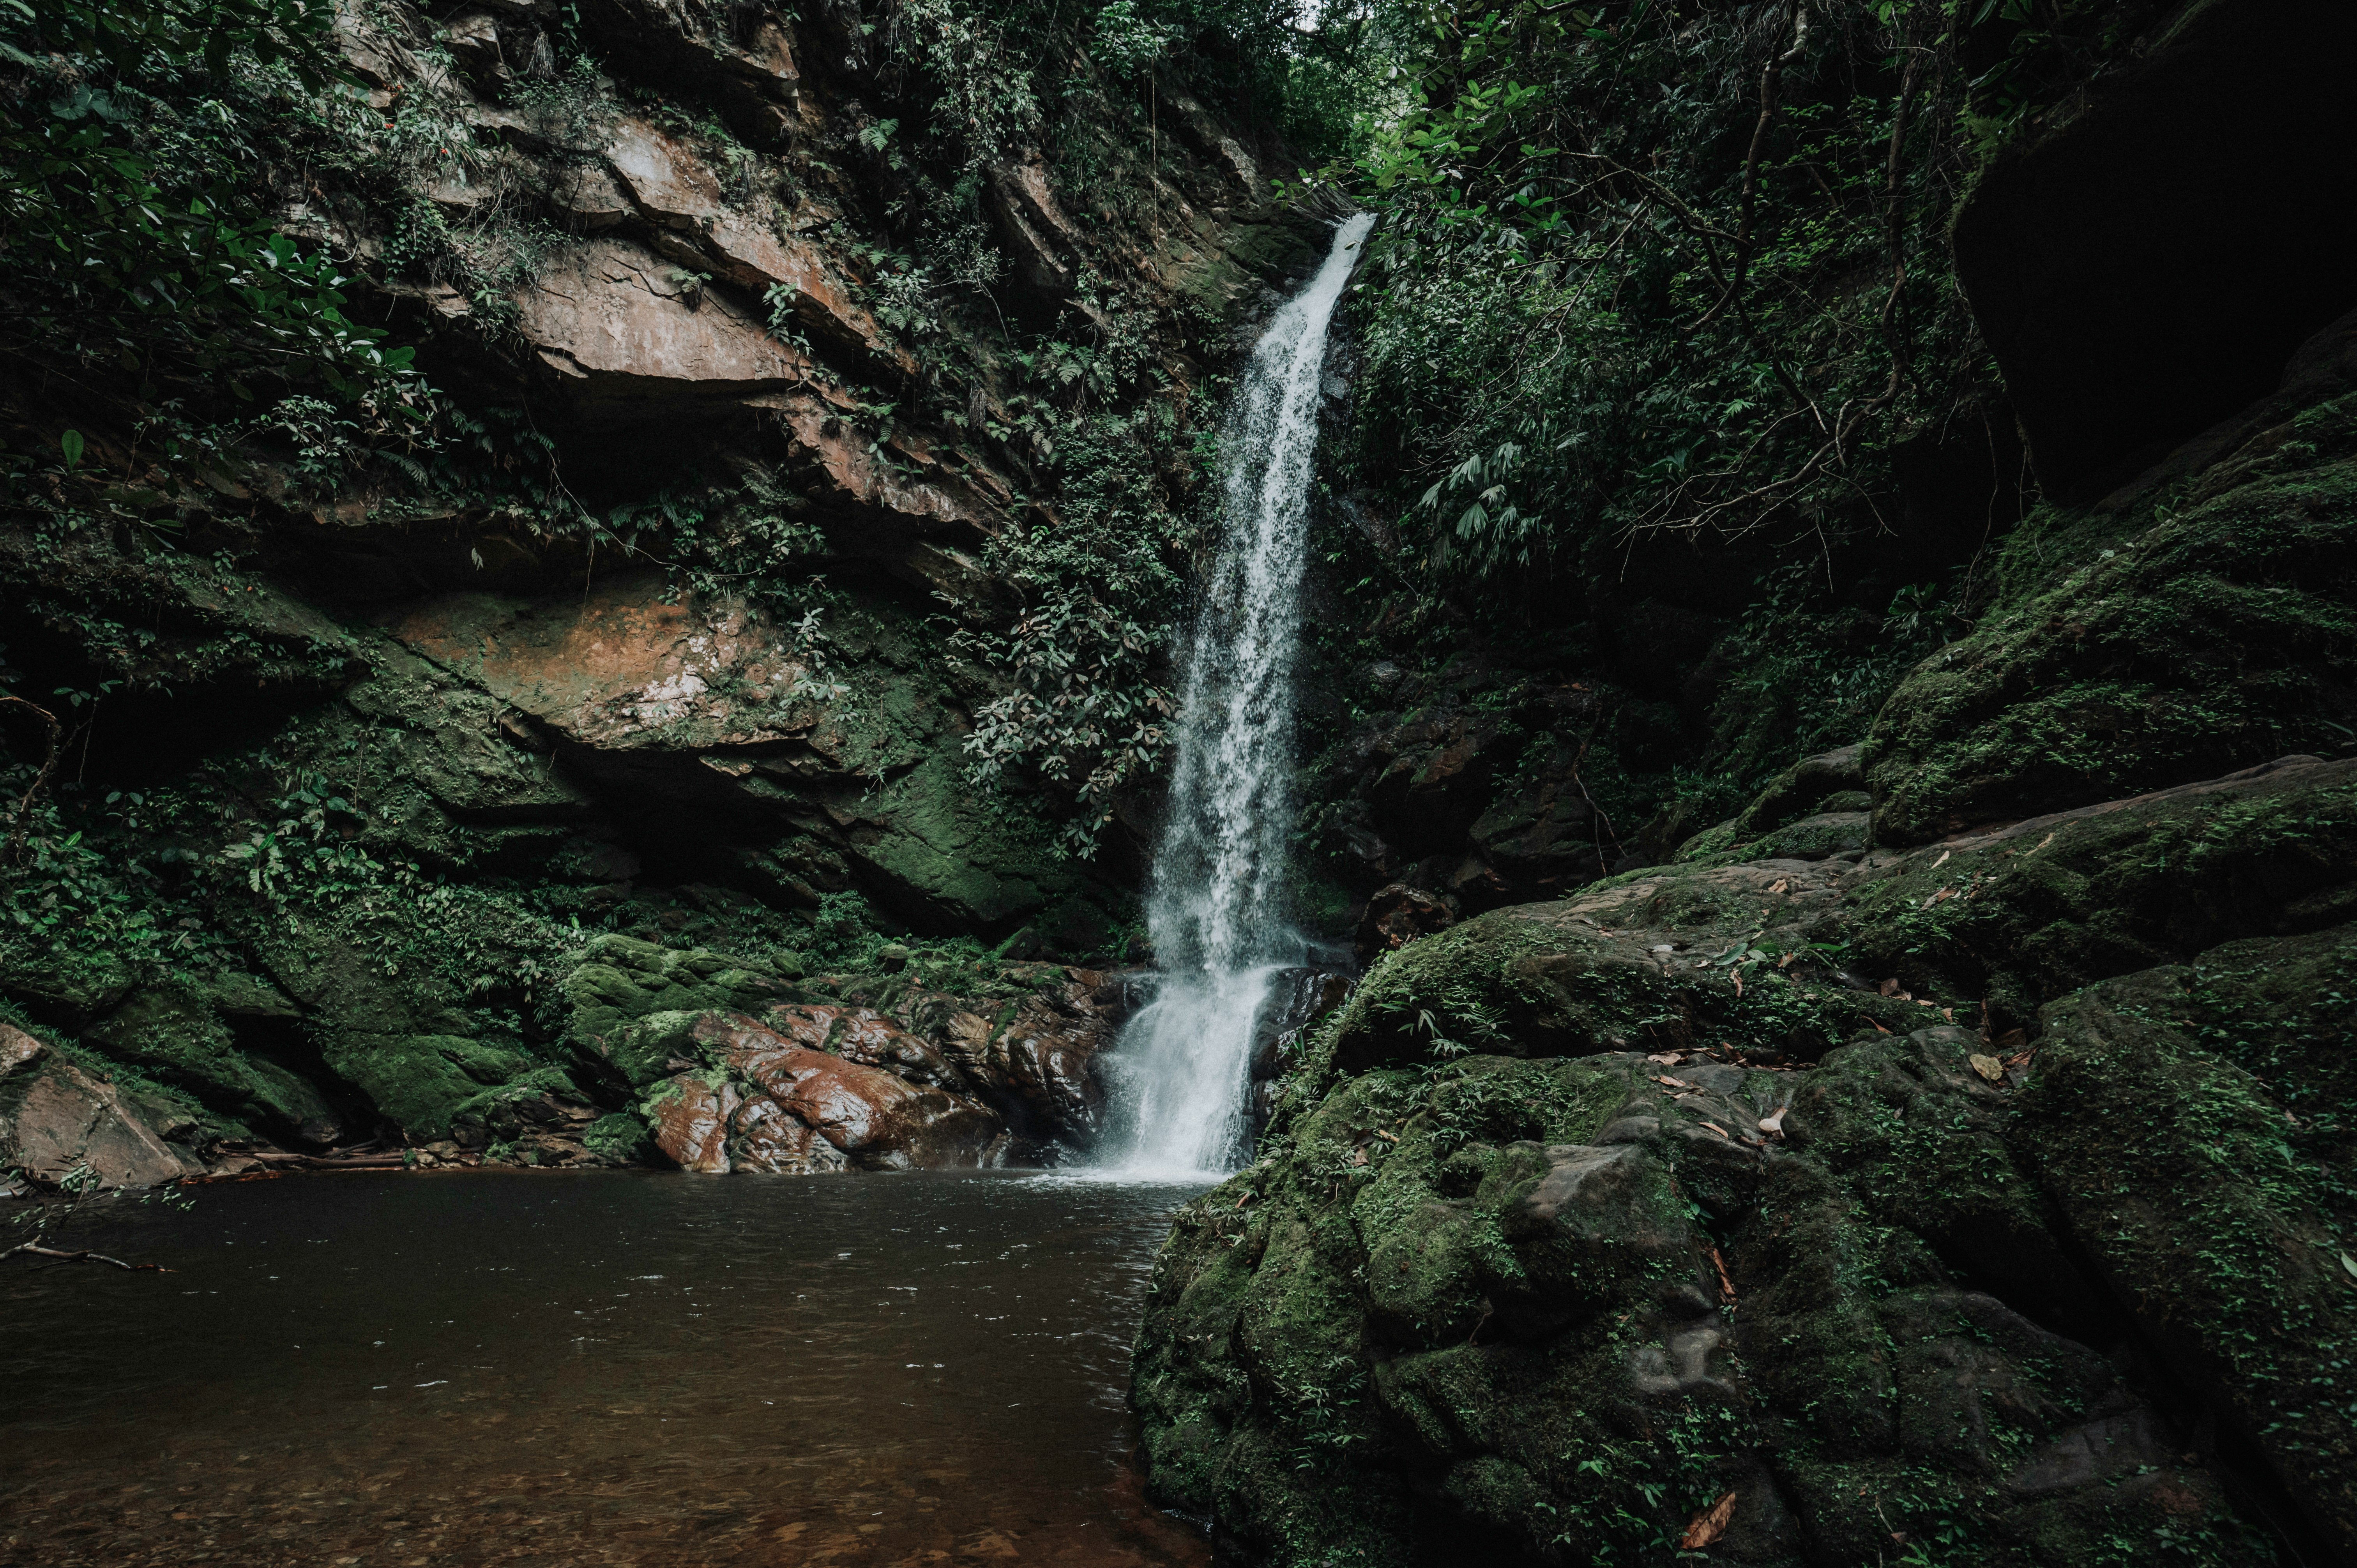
point(599, 1367)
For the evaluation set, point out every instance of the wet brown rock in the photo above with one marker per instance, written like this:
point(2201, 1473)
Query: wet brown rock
point(609, 318)
point(374, 41)
point(57, 1122)
point(747, 253)
point(738, 60)
point(879, 1121)
point(866, 1036)
point(768, 1137)
point(692, 1124)
point(1039, 1065)
point(1039, 237)
point(1216, 143)
point(670, 183)
point(914, 495)
point(622, 669)
point(1399, 914)
point(473, 37)
point(1048, 1054)
point(590, 196)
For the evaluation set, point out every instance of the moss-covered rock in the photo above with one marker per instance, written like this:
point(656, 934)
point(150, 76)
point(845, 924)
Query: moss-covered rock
point(2200, 1197)
point(2209, 629)
point(1555, 1310)
point(633, 1003)
point(1867, 1288)
point(961, 860)
point(619, 1138)
point(2027, 913)
point(1656, 960)
point(425, 1083)
point(177, 1035)
point(1808, 787)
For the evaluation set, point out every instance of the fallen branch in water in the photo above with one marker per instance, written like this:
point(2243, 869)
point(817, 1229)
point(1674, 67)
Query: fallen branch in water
point(82, 1255)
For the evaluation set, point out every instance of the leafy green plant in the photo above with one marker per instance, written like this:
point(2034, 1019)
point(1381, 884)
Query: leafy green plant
point(111, 242)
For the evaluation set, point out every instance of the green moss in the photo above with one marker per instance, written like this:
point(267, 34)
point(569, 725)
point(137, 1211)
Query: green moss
point(2178, 1173)
point(961, 856)
point(2029, 915)
point(424, 1083)
point(619, 1138)
point(173, 1034)
point(1812, 838)
point(2203, 632)
point(616, 980)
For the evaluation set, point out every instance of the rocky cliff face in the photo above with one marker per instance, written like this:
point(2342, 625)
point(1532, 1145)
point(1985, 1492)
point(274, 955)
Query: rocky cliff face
point(1943, 1159)
point(776, 411)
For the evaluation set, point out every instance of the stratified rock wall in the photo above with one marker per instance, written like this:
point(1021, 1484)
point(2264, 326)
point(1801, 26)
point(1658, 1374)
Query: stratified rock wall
point(670, 613)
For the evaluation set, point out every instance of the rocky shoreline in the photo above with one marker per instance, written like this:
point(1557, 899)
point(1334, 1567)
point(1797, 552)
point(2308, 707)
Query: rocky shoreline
point(722, 1064)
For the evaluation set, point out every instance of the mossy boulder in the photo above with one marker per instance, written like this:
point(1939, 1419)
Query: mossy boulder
point(619, 1138)
point(2217, 1216)
point(1557, 1310)
point(954, 859)
point(177, 1035)
point(1838, 1262)
point(1656, 960)
point(2027, 913)
point(632, 1003)
point(2213, 627)
point(425, 1083)
point(1805, 788)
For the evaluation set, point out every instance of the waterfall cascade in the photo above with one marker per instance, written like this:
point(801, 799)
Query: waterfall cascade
point(1180, 1075)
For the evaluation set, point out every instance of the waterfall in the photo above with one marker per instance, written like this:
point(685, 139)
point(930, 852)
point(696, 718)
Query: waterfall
point(1180, 1075)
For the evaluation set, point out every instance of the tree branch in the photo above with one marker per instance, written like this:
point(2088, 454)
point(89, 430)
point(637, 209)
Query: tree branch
point(1770, 76)
point(48, 765)
point(80, 1255)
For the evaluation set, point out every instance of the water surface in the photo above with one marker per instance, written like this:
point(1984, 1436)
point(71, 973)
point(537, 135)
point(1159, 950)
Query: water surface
point(563, 1368)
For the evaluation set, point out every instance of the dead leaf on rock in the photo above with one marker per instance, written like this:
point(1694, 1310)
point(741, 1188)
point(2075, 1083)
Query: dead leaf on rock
point(1720, 1130)
point(1943, 859)
point(1778, 885)
point(1774, 1122)
point(1988, 1068)
point(1667, 1058)
point(1708, 1525)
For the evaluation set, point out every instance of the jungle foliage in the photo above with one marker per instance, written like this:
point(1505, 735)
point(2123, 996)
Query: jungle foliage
point(1655, 267)
point(132, 228)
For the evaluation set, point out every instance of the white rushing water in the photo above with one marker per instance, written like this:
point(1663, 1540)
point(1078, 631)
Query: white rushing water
point(1181, 1077)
